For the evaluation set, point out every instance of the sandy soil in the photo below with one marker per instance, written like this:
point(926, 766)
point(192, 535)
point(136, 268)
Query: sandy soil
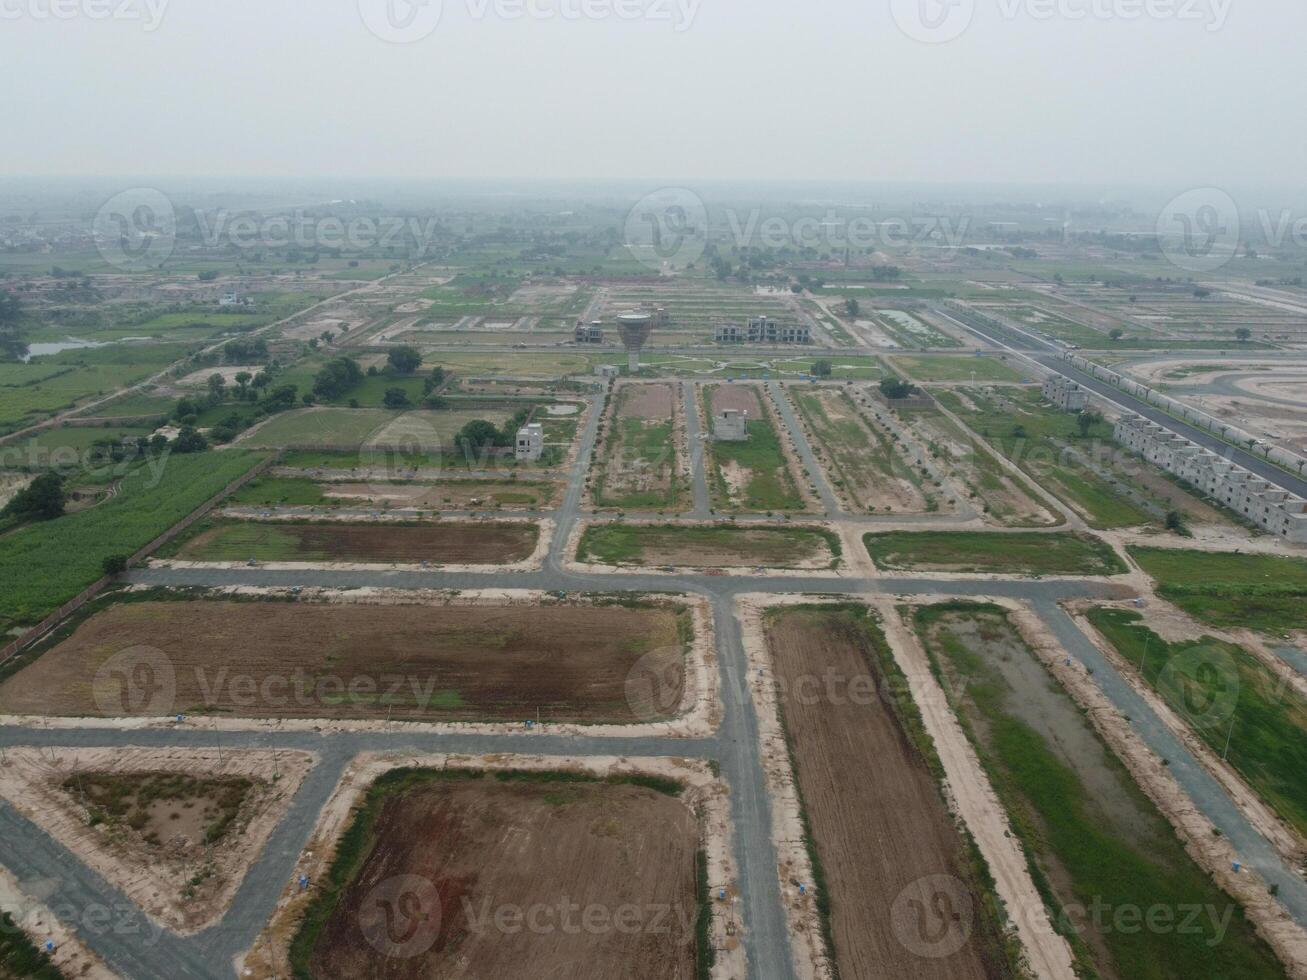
point(617, 472)
point(706, 796)
point(740, 397)
point(1213, 853)
point(154, 877)
point(449, 494)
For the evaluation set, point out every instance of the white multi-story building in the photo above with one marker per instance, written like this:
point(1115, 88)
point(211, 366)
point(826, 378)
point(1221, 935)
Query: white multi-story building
point(1242, 491)
point(530, 442)
point(763, 330)
point(1065, 394)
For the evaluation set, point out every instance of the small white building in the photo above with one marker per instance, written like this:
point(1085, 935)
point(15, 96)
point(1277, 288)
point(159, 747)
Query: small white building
point(608, 371)
point(731, 425)
point(1065, 394)
point(530, 442)
point(230, 298)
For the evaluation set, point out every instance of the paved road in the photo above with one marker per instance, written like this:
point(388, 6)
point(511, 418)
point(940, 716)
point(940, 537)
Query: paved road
point(816, 473)
point(1049, 356)
point(695, 436)
point(78, 892)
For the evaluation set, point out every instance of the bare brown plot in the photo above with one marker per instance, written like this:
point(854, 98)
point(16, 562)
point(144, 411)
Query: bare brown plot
point(451, 494)
point(277, 659)
point(895, 866)
point(741, 398)
point(647, 401)
point(541, 878)
point(335, 541)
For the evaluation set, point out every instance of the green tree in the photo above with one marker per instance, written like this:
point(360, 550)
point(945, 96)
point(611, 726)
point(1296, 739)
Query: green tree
point(189, 440)
point(1086, 421)
point(404, 360)
point(40, 500)
point(477, 436)
point(115, 564)
point(1116, 333)
point(821, 369)
point(896, 388)
point(395, 398)
point(337, 376)
point(1243, 334)
point(852, 306)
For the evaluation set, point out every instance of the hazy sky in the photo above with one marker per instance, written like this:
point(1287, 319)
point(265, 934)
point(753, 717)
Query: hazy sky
point(1151, 91)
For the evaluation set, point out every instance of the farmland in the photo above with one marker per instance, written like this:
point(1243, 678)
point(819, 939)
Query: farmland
point(640, 468)
point(338, 541)
point(44, 565)
point(345, 428)
point(609, 845)
point(993, 553)
point(1094, 840)
point(862, 872)
point(955, 368)
point(754, 475)
point(709, 546)
point(1259, 592)
point(866, 466)
point(1223, 692)
point(446, 494)
point(351, 660)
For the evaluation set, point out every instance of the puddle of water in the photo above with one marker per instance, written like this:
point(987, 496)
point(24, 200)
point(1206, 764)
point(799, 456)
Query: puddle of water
point(1295, 658)
point(57, 347)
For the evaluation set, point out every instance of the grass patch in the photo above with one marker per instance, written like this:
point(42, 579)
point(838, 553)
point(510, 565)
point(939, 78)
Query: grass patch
point(1226, 695)
point(269, 491)
point(1226, 590)
point(1062, 553)
point(1090, 845)
point(632, 544)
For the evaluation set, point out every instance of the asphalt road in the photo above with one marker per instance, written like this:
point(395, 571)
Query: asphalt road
point(80, 896)
point(1049, 356)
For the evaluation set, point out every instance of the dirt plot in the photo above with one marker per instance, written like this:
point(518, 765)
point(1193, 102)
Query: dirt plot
point(640, 466)
point(866, 465)
point(451, 494)
point(444, 543)
point(280, 659)
point(741, 398)
point(895, 867)
point(647, 402)
point(525, 876)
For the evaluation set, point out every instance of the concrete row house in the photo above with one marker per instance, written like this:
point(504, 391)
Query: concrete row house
point(1242, 491)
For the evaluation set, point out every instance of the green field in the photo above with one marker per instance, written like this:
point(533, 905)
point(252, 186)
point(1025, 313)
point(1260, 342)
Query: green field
point(1225, 693)
point(1260, 592)
point(1037, 438)
point(46, 564)
point(765, 483)
point(348, 428)
point(706, 546)
point(1001, 553)
point(271, 491)
point(32, 392)
point(947, 368)
point(1094, 840)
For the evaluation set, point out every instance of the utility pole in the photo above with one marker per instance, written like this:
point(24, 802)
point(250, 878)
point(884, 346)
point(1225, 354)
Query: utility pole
point(1225, 754)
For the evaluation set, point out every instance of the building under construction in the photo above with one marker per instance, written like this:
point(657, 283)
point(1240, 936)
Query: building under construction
point(763, 330)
